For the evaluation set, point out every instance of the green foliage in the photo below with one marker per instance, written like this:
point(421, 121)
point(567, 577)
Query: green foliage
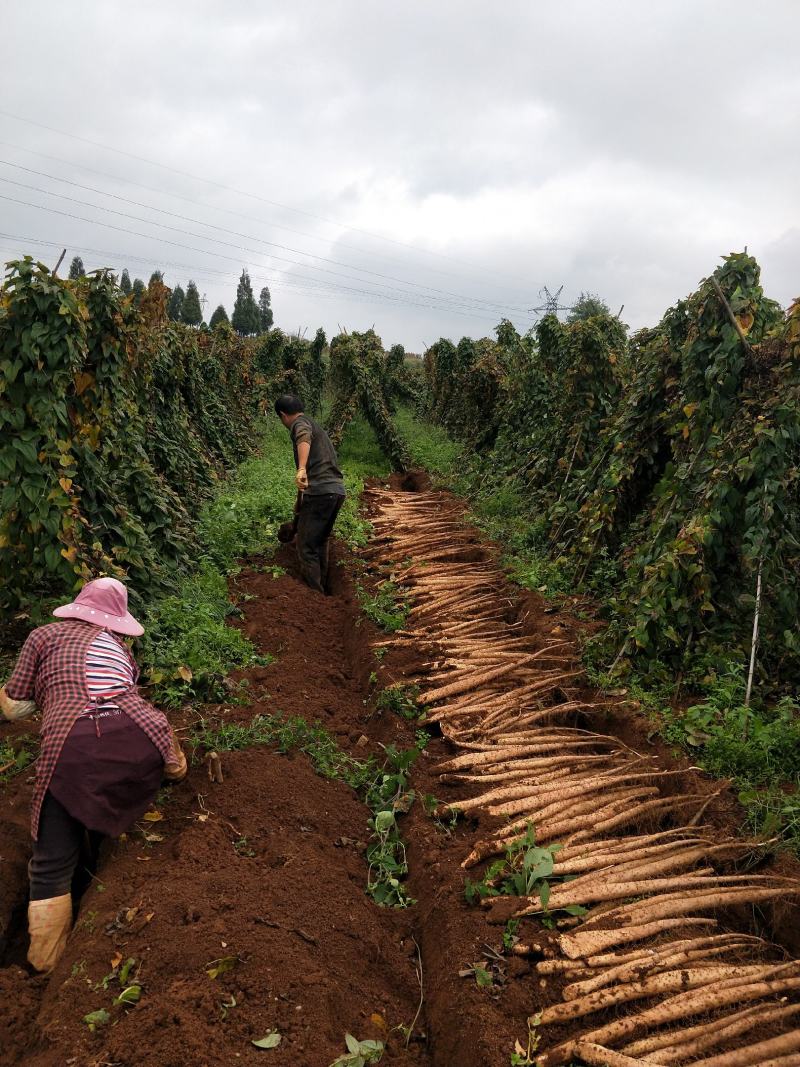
point(137, 291)
point(758, 747)
point(385, 607)
point(191, 312)
point(16, 756)
point(115, 425)
point(587, 306)
point(399, 699)
point(659, 473)
point(218, 316)
point(525, 870)
point(246, 318)
point(125, 282)
point(265, 310)
point(361, 384)
point(359, 1053)
point(76, 269)
point(175, 304)
point(189, 647)
point(389, 795)
point(429, 445)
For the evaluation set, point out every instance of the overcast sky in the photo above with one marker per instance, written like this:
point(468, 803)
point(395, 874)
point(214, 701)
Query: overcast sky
point(426, 167)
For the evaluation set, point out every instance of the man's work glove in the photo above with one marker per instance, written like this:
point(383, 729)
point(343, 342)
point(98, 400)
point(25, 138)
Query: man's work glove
point(301, 479)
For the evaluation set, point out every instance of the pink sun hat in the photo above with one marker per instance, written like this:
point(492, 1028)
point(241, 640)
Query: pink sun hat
point(103, 602)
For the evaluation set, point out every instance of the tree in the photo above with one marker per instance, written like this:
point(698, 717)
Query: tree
point(191, 312)
point(125, 282)
point(156, 276)
point(587, 305)
point(76, 268)
point(137, 290)
point(246, 318)
point(264, 310)
point(175, 305)
point(220, 315)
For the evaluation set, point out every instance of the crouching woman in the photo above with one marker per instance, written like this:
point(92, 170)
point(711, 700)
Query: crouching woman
point(104, 750)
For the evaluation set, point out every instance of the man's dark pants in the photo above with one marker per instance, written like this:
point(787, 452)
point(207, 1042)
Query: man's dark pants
point(315, 521)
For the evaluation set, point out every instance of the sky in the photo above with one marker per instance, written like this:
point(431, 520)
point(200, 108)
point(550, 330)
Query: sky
point(425, 168)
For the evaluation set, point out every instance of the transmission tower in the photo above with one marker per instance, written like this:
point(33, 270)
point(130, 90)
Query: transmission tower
point(550, 304)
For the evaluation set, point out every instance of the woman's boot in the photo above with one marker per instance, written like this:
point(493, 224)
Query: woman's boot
point(49, 923)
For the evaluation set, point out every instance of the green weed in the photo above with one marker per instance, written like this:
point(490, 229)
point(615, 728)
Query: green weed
point(16, 756)
point(385, 607)
point(525, 870)
point(401, 700)
point(359, 1053)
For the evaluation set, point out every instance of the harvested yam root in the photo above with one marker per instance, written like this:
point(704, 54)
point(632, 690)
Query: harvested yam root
point(646, 975)
point(674, 1046)
point(606, 1057)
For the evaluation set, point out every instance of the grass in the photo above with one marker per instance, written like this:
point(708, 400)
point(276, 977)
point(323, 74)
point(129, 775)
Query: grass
point(429, 445)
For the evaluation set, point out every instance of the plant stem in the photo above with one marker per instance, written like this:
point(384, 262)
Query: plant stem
point(753, 643)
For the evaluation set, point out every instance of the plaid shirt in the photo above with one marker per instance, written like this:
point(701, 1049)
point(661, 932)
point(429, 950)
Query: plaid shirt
point(51, 670)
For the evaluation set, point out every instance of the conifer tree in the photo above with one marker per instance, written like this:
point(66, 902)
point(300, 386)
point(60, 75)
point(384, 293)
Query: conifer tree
point(125, 282)
point(220, 315)
point(175, 305)
point(76, 268)
point(246, 318)
point(265, 310)
point(191, 312)
point(156, 276)
point(137, 290)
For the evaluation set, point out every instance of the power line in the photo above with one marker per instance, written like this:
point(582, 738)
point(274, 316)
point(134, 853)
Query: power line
point(465, 301)
point(447, 305)
point(229, 211)
point(230, 189)
point(381, 297)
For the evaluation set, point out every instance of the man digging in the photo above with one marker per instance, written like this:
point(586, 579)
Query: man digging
point(320, 488)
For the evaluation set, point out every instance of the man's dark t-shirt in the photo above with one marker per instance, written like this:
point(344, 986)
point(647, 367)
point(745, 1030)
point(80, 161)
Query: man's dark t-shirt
point(322, 467)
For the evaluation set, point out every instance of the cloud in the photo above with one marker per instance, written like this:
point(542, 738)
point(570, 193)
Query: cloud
point(619, 147)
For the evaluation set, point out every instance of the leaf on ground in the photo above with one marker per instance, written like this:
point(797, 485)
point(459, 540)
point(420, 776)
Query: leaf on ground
point(185, 673)
point(218, 967)
point(272, 1040)
point(129, 996)
point(96, 1018)
point(353, 1044)
point(378, 1020)
point(152, 816)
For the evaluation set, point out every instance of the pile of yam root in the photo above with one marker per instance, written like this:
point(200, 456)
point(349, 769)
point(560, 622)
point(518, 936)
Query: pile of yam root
point(654, 972)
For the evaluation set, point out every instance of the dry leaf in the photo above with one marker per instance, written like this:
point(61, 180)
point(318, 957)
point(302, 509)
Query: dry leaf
point(152, 816)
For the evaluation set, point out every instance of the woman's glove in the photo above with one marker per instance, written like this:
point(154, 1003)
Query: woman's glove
point(15, 709)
